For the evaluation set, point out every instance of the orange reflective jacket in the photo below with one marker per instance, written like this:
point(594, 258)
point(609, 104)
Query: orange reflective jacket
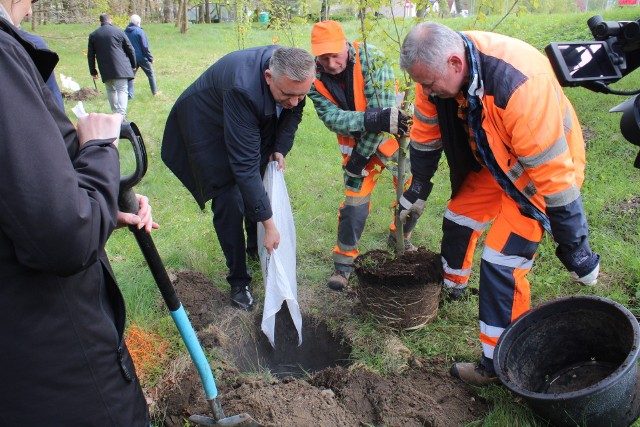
point(531, 127)
point(347, 143)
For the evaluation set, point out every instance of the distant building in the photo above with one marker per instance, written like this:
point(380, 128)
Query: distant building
point(401, 9)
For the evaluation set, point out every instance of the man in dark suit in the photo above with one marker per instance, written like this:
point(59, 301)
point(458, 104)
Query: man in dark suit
point(221, 133)
point(116, 61)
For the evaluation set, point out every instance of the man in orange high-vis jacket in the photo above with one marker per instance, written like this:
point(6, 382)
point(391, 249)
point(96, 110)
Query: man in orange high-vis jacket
point(354, 95)
point(516, 158)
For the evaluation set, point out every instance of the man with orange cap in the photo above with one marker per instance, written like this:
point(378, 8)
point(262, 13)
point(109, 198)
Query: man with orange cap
point(354, 95)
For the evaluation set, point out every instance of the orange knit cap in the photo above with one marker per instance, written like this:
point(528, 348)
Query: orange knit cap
point(327, 37)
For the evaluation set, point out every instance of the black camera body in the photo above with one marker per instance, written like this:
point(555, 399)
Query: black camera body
point(614, 53)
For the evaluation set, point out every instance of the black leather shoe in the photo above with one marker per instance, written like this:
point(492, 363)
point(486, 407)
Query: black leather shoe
point(241, 298)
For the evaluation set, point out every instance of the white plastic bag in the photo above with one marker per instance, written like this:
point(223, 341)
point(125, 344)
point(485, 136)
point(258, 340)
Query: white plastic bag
point(279, 268)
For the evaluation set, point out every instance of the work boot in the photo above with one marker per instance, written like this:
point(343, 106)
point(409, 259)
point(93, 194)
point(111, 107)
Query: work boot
point(241, 297)
point(408, 246)
point(338, 280)
point(480, 373)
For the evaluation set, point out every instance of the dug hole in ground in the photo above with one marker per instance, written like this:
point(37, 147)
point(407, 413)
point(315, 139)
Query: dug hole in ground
point(313, 384)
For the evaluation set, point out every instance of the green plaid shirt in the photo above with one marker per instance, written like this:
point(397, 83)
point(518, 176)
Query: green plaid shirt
point(379, 90)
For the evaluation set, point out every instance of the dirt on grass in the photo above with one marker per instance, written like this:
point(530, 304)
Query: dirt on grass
point(421, 394)
point(81, 95)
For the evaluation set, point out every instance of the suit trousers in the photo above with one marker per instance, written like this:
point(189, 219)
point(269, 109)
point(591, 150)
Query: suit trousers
point(228, 222)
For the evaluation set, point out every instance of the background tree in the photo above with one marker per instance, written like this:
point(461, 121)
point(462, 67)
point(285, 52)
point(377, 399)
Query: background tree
point(167, 11)
point(443, 8)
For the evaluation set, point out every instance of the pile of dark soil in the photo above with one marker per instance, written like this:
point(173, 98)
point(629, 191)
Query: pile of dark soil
point(423, 395)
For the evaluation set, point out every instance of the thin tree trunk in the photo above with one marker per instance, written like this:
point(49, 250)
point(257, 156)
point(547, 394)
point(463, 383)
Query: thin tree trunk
point(201, 18)
point(167, 8)
point(179, 14)
point(185, 21)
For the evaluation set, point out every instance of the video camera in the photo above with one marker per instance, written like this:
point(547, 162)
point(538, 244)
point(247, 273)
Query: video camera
point(596, 64)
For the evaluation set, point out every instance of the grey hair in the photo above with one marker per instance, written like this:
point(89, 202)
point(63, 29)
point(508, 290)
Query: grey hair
point(432, 44)
point(295, 63)
point(135, 20)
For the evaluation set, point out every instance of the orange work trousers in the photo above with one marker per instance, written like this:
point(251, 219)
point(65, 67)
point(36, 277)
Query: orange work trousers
point(510, 248)
point(353, 213)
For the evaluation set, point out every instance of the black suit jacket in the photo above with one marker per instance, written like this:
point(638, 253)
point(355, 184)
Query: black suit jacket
point(223, 128)
point(113, 50)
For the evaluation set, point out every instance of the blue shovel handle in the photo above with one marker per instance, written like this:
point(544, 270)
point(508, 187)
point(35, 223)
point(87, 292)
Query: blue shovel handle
point(195, 350)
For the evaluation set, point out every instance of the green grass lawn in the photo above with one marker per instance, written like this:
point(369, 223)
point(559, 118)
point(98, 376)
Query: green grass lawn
point(186, 239)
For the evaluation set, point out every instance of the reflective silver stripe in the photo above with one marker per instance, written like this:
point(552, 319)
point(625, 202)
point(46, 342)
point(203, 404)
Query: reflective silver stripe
point(558, 147)
point(487, 350)
point(456, 272)
point(345, 149)
point(529, 191)
point(346, 248)
point(465, 221)
point(563, 198)
point(453, 285)
point(513, 261)
point(425, 119)
point(490, 331)
point(515, 172)
point(567, 122)
point(434, 145)
point(342, 259)
point(357, 200)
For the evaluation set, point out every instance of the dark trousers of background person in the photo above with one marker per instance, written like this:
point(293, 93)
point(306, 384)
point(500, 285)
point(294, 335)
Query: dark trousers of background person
point(228, 222)
point(148, 70)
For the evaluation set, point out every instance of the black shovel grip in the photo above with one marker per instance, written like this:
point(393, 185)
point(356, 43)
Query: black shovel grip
point(130, 132)
point(127, 202)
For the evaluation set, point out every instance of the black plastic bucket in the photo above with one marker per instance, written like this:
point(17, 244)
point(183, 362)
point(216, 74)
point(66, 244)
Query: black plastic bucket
point(574, 361)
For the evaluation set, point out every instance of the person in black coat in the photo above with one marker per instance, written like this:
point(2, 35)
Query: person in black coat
point(62, 317)
point(221, 133)
point(52, 84)
point(116, 61)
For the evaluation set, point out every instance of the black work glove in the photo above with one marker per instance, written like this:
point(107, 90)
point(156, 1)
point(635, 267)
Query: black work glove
point(390, 119)
point(355, 165)
point(411, 204)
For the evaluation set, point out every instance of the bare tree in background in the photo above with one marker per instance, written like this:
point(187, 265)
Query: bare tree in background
point(185, 20)
point(167, 11)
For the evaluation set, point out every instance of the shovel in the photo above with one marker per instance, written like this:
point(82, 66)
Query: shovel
point(127, 203)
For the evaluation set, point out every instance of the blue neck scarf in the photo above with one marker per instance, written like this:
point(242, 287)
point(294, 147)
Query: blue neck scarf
point(476, 91)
